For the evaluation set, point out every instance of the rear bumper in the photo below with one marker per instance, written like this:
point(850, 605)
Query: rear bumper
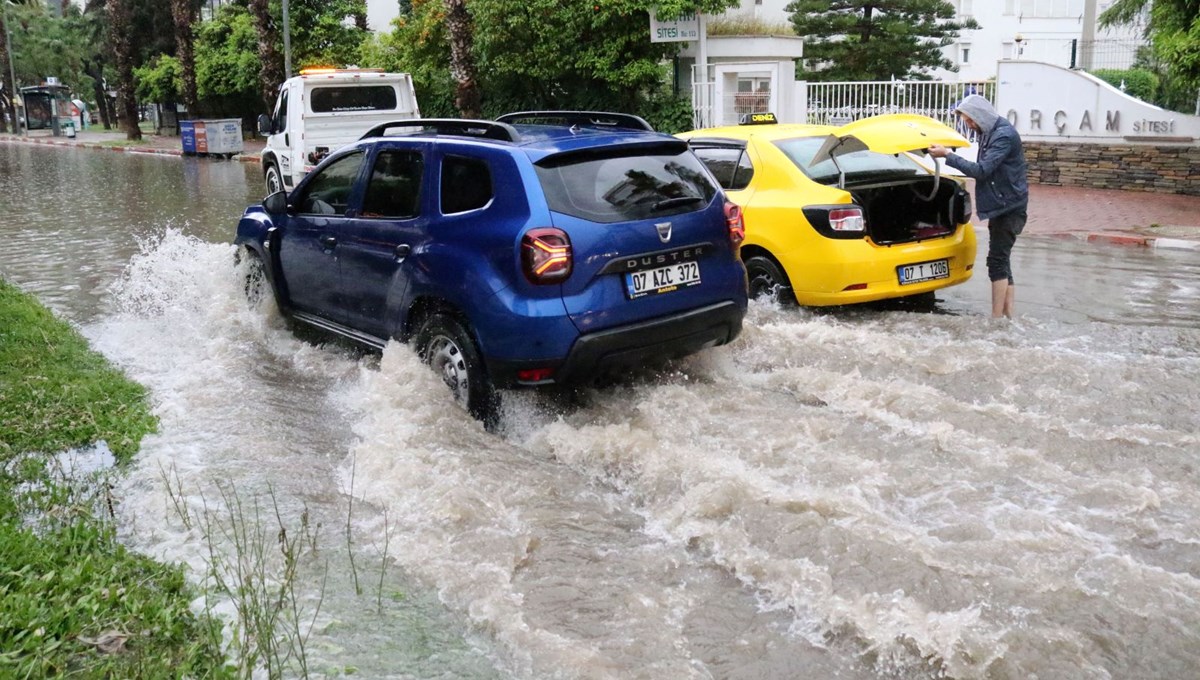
point(617, 349)
point(820, 276)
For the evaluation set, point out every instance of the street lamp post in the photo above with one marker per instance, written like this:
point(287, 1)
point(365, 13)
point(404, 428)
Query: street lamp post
point(287, 42)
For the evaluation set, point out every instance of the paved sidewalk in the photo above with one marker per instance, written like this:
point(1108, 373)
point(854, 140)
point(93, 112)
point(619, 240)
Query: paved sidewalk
point(1118, 217)
point(1096, 215)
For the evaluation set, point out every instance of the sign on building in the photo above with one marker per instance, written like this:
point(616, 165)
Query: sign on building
point(685, 27)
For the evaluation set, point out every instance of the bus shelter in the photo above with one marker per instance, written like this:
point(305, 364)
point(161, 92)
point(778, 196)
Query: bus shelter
point(47, 107)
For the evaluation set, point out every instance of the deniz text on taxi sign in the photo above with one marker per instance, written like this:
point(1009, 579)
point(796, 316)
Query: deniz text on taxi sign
point(758, 119)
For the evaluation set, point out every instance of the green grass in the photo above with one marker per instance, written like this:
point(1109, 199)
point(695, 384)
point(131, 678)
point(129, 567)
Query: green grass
point(55, 392)
point(73, 601)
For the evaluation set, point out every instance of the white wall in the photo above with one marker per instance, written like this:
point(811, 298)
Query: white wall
point(1053, 104)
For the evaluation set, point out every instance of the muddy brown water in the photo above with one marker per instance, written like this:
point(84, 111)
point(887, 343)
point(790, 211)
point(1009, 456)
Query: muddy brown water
point(859, 493)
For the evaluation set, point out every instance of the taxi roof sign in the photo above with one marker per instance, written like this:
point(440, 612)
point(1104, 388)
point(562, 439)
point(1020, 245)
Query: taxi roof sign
point(765, 118)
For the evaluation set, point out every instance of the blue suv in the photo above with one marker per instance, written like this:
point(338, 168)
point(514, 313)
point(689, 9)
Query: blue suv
point(542, 248)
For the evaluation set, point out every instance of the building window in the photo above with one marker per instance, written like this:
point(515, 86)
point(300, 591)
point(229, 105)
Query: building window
point(1006, 50)
point(1010, 7)
point(966, 8)
point(1050, 9)
point(964, 52)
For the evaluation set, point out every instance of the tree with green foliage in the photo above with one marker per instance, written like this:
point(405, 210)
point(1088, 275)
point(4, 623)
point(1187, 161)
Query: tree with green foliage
point(1174, 32)
point(227, 66)
point(876, 39)
point(540, 54)
point(323, 33)
point(327, 32)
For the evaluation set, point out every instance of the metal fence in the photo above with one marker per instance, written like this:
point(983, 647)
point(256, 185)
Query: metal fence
point(1091, 55)
point(843, 102)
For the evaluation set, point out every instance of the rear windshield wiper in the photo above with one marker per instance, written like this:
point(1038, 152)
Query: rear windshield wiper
point(677, 202)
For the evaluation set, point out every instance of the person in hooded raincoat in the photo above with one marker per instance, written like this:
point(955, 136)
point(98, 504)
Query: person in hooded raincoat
point(1001, 191)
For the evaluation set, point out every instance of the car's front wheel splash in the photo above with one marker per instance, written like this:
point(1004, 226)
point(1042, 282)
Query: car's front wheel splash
point(445, 344)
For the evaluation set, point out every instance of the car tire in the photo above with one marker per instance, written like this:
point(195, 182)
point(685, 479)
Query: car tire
point(444, 343)
point(767, 280)
point(921, 301)
point(254, 278)
point(273, 179)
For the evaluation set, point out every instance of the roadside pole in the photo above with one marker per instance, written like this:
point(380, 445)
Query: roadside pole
point(287, 43)
point(12, 72)
point(702, 67)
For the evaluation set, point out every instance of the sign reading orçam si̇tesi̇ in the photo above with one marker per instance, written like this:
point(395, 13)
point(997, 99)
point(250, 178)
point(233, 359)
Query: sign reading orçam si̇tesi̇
point(1048, 103)
point(683, 28)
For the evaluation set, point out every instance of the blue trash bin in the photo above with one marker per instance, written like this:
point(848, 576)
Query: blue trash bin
point(187, 132)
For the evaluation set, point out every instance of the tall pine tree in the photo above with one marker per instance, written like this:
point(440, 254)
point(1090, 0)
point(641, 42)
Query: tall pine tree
point(876, 39)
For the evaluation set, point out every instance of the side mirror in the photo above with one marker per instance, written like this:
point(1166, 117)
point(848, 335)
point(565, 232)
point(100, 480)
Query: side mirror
point(264, 124)
point(276, 203)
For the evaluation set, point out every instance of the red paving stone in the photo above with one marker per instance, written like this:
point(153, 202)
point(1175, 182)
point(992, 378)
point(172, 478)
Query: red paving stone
point(1054, 209)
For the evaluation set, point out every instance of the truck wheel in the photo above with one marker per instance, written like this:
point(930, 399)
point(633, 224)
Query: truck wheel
point(767, 280)
point(274, 180)
point(444, 343)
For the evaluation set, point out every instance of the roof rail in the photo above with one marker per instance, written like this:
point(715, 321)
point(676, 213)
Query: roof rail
point(465, 127)
point(600, 119)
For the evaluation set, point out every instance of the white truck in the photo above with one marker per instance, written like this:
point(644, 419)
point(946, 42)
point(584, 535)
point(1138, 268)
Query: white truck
point(321, 110)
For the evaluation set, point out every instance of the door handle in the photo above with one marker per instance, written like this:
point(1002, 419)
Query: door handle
point(402, 251)
point(328, 242)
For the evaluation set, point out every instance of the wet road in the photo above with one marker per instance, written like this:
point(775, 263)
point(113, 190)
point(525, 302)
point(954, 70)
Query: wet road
point(855, 494)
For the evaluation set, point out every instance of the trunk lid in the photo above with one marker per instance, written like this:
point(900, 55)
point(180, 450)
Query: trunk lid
point(889, 134)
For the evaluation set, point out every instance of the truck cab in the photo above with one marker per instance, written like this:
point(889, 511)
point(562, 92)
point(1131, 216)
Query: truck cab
point(321, 110)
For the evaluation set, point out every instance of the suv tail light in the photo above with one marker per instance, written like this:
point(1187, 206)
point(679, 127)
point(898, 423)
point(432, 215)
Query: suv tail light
point(846, 219)
point(737, 226)
point(546, 255)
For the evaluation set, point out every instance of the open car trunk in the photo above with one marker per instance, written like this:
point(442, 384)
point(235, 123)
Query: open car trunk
point(898, 212)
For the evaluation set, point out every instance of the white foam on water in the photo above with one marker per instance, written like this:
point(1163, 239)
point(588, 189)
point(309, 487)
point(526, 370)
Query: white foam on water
point(865, 492)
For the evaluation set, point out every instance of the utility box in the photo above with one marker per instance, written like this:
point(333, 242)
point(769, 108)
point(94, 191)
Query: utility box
point(222, 137)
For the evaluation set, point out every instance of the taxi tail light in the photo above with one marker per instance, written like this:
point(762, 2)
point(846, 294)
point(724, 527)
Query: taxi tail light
point(737, 225)
point(846, 219)
point(546, 255)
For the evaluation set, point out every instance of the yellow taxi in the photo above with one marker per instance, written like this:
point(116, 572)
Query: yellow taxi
point(842, 215)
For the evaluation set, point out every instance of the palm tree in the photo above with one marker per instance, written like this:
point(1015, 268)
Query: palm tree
point(270, 73)
point(120, 28)
point(183, 15)
point(467, 97)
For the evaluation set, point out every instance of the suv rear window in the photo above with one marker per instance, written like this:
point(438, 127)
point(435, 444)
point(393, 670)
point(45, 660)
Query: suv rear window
point(801, 151)
point(627, 187)
point(356, 98)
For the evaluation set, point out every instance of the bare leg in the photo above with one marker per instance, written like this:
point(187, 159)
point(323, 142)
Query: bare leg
point(999, 295)
point(1009, 297)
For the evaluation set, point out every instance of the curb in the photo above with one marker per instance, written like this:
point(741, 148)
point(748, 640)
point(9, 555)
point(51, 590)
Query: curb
point(1175, 244)
point(153, 150)
point(1124, 239)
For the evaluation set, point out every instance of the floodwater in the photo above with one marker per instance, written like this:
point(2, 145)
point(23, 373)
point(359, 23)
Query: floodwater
point(853, 494)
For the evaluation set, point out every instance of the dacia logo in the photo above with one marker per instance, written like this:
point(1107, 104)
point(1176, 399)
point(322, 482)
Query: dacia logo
point(664, 231)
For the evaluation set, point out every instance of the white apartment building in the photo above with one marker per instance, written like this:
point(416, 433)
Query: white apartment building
point(1032, 30)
